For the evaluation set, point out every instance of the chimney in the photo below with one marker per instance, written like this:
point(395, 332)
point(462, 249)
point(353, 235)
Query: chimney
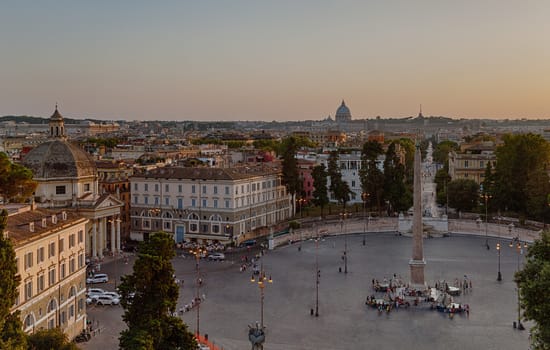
point(31, 226)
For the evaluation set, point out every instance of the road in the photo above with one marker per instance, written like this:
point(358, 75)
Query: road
point(233, 302)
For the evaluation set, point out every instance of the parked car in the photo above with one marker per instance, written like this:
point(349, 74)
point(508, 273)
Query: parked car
point(98, 278)
point(216, 256)
point(107, 300)
point(113, 294)
point(93, 293)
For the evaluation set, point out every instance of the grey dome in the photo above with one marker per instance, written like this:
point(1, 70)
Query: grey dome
point(343, 112)
point(59, 159)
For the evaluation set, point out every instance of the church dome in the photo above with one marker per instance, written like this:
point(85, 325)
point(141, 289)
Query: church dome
point(343, 113)
point(59, 159)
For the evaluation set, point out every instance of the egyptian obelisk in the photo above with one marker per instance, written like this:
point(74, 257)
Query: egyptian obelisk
point(417, 261)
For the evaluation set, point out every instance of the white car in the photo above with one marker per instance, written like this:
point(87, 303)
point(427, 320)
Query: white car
point(93, 293)
point(113, 294)
point(107, 300)
point(216, 256)
point(98, 278)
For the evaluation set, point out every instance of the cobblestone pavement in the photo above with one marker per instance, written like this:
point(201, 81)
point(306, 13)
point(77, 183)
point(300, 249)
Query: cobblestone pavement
point(233, 302)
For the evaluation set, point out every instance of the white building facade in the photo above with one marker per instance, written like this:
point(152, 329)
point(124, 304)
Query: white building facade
point(226, 205)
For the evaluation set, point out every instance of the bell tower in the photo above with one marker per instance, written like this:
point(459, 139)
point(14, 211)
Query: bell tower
point(57, 125)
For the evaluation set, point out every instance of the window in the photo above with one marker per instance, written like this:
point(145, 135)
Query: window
point(156, 200)
point(180, 203)
point(216, 228)
point(80, 236)
point(28, 260)
point(166, 201)
point(227, 190)
point(215, 189)
point(80, 305)
point(63, 317)
point(156, 187)
point(71, 311)
point(28, 289)
point(204, 189)
point(204, 228)
point(71, 240)
point(40, 282)
point(63, 272)
point(193, 227)
point(135, 187)
point(227, 203)
point(60, 190)
point(40, 255)
point(146, 187)
point(80, 260)
point(135, 199)
point(204, 203)
point(167, 225)
point(51, 249)
point(215, 203)
point(51, 277)
point(167, 188)
point(193, 202)
point(352, 183)
point(61, 245)
point(192, 188)
point(146, 199)
point(466, 164)
point(180, 188)
point(481, 164)
point(72, 266)
point(86, 187)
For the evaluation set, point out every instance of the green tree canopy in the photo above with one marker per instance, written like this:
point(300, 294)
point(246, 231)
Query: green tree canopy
point(16, 183)
point(291, 178)
point(442, 149)
point(11, 331)
point(395, 190)
point(48, 339)
point(534, 283)
point(320, 191)
point(372, 178)
point(463, 194)
point(149, 296)
point(338, 187)
point(519, 163)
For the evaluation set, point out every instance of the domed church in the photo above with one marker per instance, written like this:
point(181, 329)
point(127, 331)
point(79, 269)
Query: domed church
point(67, 178)
point(343, 113)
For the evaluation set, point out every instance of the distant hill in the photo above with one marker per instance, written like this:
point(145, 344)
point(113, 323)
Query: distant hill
point(40, 120)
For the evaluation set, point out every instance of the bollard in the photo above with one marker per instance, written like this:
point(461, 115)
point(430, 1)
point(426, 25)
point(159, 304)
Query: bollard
point(339, 269)
point(311, 312)
point(514, 325)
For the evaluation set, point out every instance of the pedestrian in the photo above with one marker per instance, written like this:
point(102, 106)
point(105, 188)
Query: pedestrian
point(470, 284)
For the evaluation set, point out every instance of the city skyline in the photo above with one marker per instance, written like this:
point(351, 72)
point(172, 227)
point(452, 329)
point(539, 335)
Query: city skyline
point(283, 60)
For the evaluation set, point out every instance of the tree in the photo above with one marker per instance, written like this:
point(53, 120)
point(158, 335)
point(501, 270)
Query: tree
point(519, 159)
point(291, 177)
point(11, 330)
point(534, 283)
point(15, 180)
point(48, 339)
point(320, 191)
point(463, 194)
point(442, 150)
point(149, 297)
point(339, 188)
point(396, 192)
point(372, 178)
point(442, 178)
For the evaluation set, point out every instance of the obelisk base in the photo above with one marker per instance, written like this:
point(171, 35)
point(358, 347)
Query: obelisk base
point(417, 273)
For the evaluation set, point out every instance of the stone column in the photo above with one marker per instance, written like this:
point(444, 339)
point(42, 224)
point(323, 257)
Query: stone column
point(102, 234)
point(94, 238)
point(113, 243)
point(417, 261)
point(118, 235)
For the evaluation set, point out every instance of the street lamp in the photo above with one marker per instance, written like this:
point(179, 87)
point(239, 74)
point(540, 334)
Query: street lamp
point(486, 197)
point(262, 278)
point(365, 197)
point(342, 222)
point(317, 274)
point(499, 276)
point(198, 252)
point(516, 242)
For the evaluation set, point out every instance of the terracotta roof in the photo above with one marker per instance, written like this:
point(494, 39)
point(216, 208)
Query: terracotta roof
point(209, 173)
point(18, 224)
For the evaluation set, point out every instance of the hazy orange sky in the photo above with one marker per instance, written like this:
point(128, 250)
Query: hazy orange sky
point(275, 60)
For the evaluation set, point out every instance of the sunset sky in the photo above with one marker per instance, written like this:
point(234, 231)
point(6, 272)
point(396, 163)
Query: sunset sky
point(275, 60)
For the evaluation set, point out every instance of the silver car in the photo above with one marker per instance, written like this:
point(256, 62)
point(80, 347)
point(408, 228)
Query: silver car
point(107, 300)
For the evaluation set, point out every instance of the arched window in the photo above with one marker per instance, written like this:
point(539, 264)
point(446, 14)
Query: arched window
point(215, 217)
point(72, 292)
point(167, 215)
point(52, 305)
point(29, 321)
point(193, 216)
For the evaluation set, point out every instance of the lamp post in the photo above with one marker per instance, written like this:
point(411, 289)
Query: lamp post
point(317, 274)
point(516, 242)
point(486, 197)
point(262, 278)
point(342, 223)
point(499, 276)
point(365, 197)
point(198, 252)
